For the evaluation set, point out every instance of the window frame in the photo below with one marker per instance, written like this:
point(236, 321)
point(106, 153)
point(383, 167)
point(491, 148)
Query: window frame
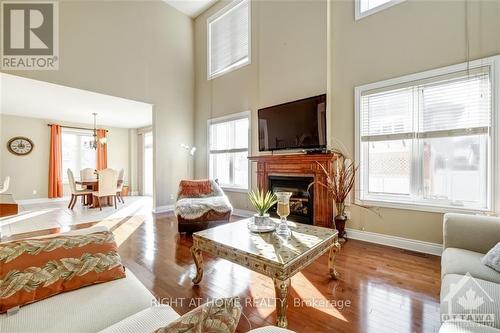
point(389, 201)
point(223, 119)
point(228, 8)
point(80, 133)
point(359, 15)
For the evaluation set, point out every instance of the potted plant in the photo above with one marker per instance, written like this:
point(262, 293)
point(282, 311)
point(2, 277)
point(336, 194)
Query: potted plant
point(262, 202)
point(339, 184)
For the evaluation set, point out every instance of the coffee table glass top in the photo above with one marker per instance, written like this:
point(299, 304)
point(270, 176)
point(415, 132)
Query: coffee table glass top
point(269, 246)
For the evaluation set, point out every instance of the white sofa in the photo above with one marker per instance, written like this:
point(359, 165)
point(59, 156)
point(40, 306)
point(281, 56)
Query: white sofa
point(466, 239)
point(120, 306)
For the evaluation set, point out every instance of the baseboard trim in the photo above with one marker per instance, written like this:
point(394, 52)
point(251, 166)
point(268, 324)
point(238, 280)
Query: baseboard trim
point(163, 209)
point(394, 241)
point(134, 193)
point(41, 200)
point(243, 212)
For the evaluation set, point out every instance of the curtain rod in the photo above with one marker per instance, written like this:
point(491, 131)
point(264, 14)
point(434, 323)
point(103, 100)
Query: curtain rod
point(73, 127)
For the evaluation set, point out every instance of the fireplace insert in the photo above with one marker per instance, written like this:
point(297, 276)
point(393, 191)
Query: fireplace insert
point(301, 201)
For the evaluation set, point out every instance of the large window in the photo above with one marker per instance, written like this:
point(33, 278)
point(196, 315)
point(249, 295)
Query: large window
point(364, 8)
point(229, 38)
point(427, 140)
point(75, 155)
point(228, 151)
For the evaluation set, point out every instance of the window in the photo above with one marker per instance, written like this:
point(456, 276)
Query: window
point(75, 155)
point(364, 8)
point(229, 38)
point(427, 140)
point(228, 151)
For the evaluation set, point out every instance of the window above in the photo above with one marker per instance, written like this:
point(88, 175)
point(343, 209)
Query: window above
point(428, 140)
point(364, 8)
point(228, 151)
point(229, 38)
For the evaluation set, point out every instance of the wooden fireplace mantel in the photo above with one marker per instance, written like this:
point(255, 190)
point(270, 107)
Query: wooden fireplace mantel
point(301, 165)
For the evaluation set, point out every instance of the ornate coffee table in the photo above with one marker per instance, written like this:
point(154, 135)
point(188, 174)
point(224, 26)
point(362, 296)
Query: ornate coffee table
point(267, 253)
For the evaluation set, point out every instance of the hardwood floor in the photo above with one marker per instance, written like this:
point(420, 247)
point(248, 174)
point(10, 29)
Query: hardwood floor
point(381, 289)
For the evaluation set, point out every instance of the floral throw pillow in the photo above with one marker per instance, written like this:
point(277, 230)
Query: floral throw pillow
point(36, 268)
point(217, 316)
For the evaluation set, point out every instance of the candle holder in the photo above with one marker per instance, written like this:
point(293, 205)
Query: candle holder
point(283, 212)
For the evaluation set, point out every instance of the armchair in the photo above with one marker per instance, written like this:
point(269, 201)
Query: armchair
point(201, 204)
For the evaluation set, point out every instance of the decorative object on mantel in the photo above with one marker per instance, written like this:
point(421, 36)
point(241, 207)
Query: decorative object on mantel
point(262, 202)
point(339, 184)
point(283, 212)
point(20, 146)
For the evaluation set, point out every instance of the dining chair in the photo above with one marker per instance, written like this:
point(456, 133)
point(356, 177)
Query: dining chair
point(75, 193)
point(5, 185)
point(88, 174)
point(119, 188)
point(108, 178)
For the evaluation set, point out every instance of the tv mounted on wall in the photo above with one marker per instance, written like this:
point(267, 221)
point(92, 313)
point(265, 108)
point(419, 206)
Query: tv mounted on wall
point(294, 125)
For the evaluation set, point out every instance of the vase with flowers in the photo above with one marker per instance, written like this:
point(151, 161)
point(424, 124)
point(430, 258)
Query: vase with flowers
point(339, 184)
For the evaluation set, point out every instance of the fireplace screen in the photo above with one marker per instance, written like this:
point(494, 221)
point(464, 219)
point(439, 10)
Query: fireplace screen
point(301, 201)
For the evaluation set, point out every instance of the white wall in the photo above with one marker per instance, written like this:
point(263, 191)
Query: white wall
point(139, 50)
point(289, 40)
point(30, 173)
point(289, 61)
point(407, 38)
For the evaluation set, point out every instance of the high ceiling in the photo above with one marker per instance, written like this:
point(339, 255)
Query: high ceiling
point(37, 99)
point(191, 8)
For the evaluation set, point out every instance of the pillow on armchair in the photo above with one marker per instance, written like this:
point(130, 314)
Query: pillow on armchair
point(217, 316)
point(195, 188)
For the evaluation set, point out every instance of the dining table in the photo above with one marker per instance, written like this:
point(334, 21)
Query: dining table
point(93, 184)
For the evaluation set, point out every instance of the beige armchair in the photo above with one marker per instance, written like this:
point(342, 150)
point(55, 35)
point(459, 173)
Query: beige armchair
point(466, 238)
point(75, 193)
point(88, 174)
point(470, 232)
point(108, 178)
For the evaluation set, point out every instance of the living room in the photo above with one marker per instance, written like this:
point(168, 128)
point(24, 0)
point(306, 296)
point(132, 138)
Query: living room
point(405, 98)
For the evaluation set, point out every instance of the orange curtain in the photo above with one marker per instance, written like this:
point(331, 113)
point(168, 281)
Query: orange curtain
point(102, 150)
point(55, 163)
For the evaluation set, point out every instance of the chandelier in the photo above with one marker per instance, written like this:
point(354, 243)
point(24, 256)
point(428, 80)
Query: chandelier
point(95, 141)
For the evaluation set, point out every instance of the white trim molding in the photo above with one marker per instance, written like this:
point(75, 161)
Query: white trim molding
point(163, 209)
point(394, 241)
point(243, 212)
point(41, 200)
point(358, 15)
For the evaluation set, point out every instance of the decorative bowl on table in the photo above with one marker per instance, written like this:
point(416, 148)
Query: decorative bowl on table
point(261, 223)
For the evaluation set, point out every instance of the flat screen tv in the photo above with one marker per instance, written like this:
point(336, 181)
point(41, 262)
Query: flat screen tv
point(294, 125)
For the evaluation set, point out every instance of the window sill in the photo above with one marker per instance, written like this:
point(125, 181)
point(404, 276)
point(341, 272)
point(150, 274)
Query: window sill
point(229, 69)
point(235, 189)
point(359, 14)
point(420, 207)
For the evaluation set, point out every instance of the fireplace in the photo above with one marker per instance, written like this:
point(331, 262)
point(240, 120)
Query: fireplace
point(303, 169)
point(301, 201)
